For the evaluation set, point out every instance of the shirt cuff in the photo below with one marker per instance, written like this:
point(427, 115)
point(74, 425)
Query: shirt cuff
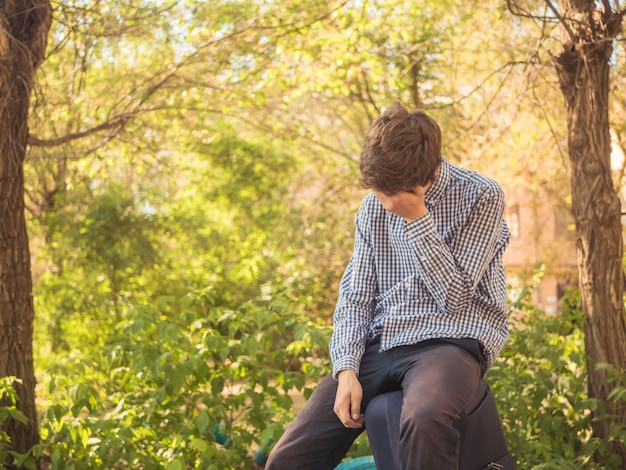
point(419, 227)
point(346, 363)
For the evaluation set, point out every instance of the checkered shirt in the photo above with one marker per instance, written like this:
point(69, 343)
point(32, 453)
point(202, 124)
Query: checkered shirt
point(438, 276)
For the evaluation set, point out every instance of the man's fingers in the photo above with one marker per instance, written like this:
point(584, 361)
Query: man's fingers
point(348, 417)
point(343, 412)
point(356, 418)
point(348, 401)
point(355, 407)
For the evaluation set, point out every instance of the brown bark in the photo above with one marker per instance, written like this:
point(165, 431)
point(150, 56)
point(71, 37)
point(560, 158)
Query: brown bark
point(583, 70)
point(24, 27)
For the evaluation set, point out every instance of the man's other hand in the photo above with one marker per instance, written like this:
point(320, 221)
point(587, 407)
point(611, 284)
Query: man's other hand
point(348, 400)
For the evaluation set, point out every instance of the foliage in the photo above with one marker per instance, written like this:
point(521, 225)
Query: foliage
point(180, 315)
point(216, 219)
point(156, 393)
point(540, 384)
point(8, 410)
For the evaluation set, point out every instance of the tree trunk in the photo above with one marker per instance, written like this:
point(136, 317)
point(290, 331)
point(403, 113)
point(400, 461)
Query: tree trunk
point(24, 27)
point(583, 71)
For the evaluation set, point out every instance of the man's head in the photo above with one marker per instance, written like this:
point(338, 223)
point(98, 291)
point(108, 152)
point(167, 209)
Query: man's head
point(402, 150)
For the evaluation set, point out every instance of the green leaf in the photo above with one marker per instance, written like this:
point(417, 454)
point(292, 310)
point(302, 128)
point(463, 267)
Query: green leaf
point(5, 412)
point(176, 377)
point(199, 444)
point(217, 384)
point(177, 464)
point(19, 416)
point(202, 421)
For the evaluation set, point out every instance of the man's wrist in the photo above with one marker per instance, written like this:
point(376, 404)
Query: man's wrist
point(345, 363)
point(344, 373)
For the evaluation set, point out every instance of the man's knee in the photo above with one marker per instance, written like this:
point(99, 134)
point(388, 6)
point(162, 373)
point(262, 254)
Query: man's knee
point(425, 421)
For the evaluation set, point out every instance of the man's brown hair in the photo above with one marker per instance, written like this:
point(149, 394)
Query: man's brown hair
point(402, 150)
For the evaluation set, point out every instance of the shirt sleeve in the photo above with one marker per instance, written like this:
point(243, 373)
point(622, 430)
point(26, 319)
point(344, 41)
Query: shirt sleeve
point(356, 302)
point(451, 274)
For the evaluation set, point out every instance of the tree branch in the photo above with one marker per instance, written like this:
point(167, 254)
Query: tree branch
point(560, 18)
point(117, 123)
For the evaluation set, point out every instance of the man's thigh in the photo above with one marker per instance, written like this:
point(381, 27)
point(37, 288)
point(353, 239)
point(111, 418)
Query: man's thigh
point(437, 381)
point(437, 384)
point(441, 379)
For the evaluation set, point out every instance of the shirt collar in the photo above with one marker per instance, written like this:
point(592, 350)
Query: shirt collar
point(439, 186)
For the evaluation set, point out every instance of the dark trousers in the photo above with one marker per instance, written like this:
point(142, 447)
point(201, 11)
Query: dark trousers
point(437, 381)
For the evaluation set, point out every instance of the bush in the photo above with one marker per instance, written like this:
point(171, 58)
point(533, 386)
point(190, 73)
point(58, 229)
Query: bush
point(540, 384)
point(8, 410)
point(170, 386)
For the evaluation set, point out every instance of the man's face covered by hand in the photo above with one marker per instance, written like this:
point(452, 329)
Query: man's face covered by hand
point(407, 204)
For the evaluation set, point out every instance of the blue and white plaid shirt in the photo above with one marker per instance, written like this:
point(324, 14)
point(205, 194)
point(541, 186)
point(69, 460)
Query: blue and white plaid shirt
point(438, 276)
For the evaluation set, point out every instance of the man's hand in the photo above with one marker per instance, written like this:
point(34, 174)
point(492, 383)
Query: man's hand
point(348, 400)
point(409, 205)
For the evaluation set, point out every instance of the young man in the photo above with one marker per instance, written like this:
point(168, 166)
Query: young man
point(422, 303)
